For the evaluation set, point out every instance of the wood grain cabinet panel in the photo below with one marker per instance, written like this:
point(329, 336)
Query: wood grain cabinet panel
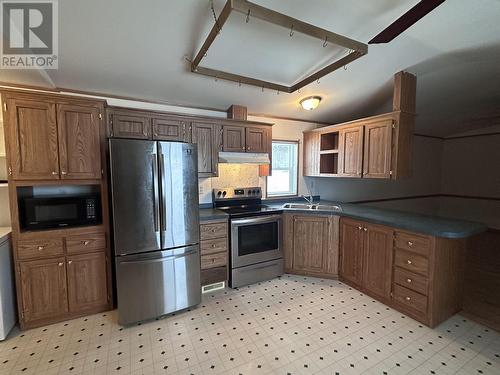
point(31, 137)
point(213, 230)
point(216, 245)
point(257, 139)
point(171, 129)
point(411, 280)
point(351, 251)
point(310, 243)
point(130, 125)
point(233, 138)
point(377, 260)
point(207, 137)
point(79, 141)
point(84, 243)
point(311, 153)
point(86, 282)
point(377, 150)
point(351, 151)
point(42, 248)
point(43, 286)
point(410, 299)
point(411, 262)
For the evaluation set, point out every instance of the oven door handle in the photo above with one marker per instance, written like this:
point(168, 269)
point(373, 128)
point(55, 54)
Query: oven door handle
point(255, 220)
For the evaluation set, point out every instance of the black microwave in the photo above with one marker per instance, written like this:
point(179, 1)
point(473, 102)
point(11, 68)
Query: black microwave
point(59, 212)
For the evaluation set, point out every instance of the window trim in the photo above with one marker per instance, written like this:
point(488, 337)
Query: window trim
point(291, 141)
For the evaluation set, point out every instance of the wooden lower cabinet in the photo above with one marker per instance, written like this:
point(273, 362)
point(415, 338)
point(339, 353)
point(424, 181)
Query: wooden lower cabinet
point(86, 277)
point(311, 244)
point(214, 250)
point(366, 256)
point(61, 275)
point(43, 289)
point(419, 275)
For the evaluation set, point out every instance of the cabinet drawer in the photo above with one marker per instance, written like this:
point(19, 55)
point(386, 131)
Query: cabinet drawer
point(411, 262)
point(213, 275)
point(410, 280)
point(413, 242)
point(39, 248)
point(216, 245)
point(213, 260)
point(213, 230)
point(84, 243)
point(410, 299)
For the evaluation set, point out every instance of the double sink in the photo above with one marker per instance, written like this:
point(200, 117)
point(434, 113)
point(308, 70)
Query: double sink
point(312, 207)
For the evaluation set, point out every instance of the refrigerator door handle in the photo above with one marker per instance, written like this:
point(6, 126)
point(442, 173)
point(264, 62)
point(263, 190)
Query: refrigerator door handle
point(162, 259)
point(163, 201)
point(154, 162)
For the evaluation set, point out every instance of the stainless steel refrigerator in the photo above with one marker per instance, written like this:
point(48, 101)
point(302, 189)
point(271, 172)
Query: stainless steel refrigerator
point(156, 227)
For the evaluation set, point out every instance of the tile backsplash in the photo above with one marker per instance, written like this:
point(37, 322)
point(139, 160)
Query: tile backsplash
point(231, 175)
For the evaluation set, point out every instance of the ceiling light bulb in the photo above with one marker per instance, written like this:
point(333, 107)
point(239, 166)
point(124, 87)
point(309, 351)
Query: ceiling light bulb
point(310, 103)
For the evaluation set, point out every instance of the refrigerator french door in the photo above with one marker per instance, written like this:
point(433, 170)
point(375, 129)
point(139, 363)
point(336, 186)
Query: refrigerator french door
point(156, 227)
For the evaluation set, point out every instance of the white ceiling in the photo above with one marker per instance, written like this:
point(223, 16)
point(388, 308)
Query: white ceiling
point(137, 48)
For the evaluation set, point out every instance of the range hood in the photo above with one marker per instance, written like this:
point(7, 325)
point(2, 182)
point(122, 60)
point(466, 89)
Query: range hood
point(244, 157)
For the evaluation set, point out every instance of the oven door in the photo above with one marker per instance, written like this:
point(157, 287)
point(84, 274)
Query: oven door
point(255, 240)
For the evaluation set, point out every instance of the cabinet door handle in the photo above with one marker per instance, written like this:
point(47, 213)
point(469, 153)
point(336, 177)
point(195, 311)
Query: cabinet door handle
point(409, 281)
point(408, 298)
point(243, 148)
point(54, 173)
point(365, 229)
point(70, 261)
point(248, 148)
point(40, 248)
point(64, 172)
point(60, 264)
point(409, 261)
point(360, 227)
point(410, 243)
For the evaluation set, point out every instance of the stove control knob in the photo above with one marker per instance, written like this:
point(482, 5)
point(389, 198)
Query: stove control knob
point(219, 193)
point(224, 193)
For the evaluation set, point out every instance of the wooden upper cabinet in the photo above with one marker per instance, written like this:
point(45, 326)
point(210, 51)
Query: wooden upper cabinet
point(233, 138)
point(87, 282)
point(351, 250)
point(377, 259)
point(79, 141)
point(311, 153)
point(311, 243)
point(378, 149)
point(31, 135)
point(351, 151)
point(129, 124)
point(43, 289)
point(257, 139)
point(171, 129)
point(207, 136)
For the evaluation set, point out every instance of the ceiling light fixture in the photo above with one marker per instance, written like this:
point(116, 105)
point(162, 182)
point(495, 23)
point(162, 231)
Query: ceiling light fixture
point(310, 103)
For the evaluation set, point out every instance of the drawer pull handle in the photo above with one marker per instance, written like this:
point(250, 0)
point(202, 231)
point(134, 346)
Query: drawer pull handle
point(54, 173)
point(40, 248)
point(365, 229)
point(410, 244)
point(409, 261)
point(60, 264)
point(214, 230)
point(85, 243)
point(408, 298)
point(213, 246)
point(409, 281)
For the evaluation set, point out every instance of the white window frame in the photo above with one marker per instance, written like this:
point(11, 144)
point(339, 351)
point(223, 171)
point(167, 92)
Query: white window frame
point(283, 195)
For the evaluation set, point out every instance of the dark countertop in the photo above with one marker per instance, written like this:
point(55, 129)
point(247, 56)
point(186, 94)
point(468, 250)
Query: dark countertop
point(425, 224)
point(207, 214)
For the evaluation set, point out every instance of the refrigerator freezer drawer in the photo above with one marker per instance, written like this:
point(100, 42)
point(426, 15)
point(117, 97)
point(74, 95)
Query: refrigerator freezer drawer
point(154, 284)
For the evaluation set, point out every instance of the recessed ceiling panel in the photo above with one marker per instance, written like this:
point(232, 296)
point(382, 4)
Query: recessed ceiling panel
point(266, 51)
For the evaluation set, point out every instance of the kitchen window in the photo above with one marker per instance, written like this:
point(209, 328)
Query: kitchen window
point(285, 165)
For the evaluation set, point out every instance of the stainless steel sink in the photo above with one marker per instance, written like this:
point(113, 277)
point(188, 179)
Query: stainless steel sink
point(312, 207)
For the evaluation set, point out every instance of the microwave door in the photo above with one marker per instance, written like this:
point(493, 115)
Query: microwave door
point(179, 194)
point(135, 196)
